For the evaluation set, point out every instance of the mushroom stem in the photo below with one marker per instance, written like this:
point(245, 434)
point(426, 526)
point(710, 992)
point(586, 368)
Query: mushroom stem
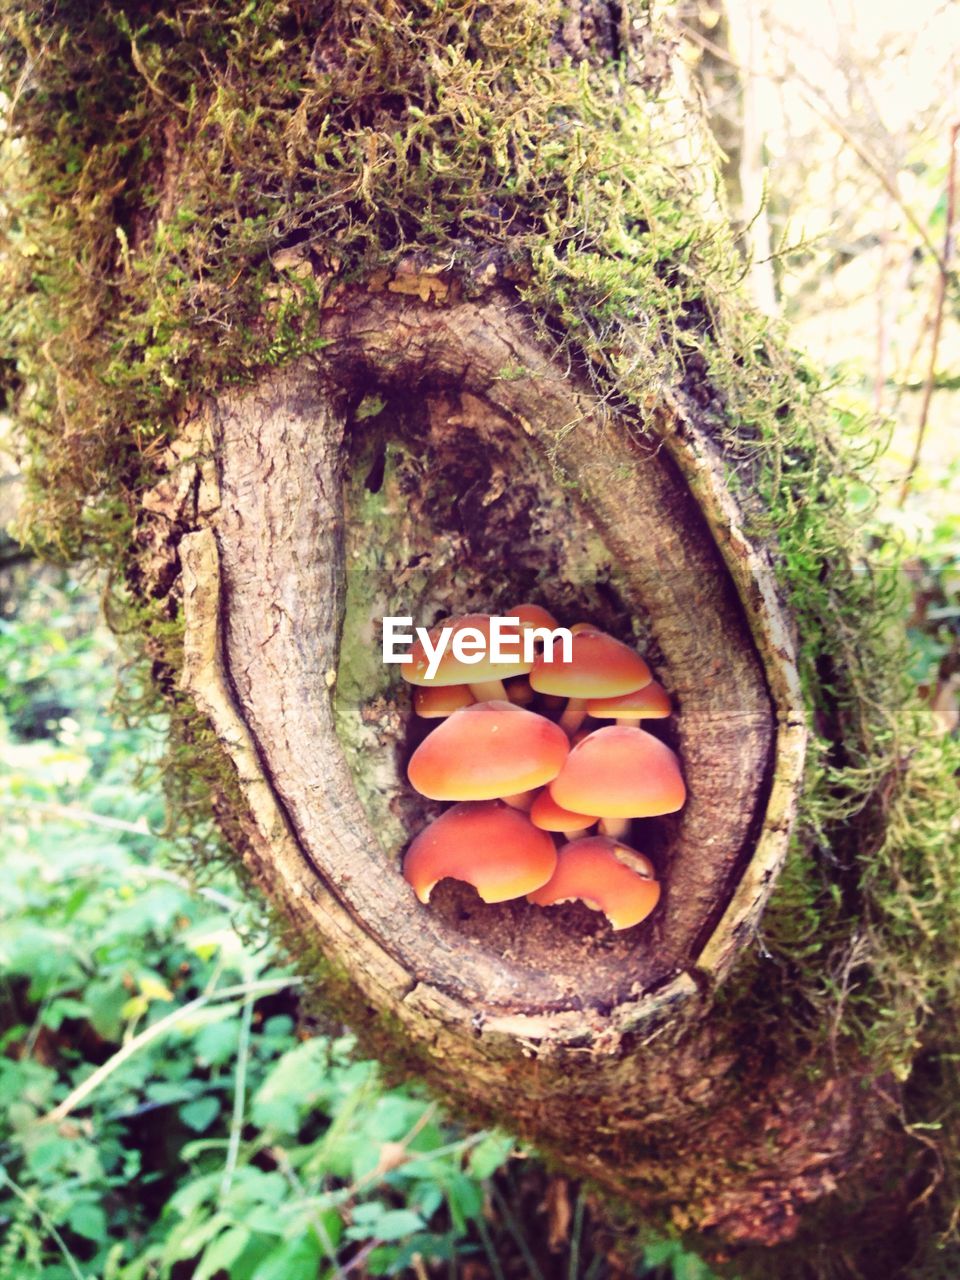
point(615, 828)
point(489, 691)
point(574, 714)
point(523, 800)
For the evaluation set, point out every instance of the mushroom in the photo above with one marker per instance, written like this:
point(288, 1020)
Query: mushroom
point(494, 848)
point(484, 679)
point(599, 667)
point(533, 616)
point(620, 773)
point(489, 751)
point(649, 703)
point(607, 876)
point(436, 702)
point(546, 814)
point(519, 691)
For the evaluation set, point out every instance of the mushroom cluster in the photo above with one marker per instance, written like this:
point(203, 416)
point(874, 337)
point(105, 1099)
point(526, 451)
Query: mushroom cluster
point(520, 768)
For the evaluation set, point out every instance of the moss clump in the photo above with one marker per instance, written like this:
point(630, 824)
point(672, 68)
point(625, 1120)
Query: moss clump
point(160, 160)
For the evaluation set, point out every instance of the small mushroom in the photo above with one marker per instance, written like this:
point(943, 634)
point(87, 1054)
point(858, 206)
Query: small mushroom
point(607, 876)
point(533, 615)
point(491, 846)
point(436, 702)
point(546, 814)
point(620, 773)
point(599, 667)
point(649, 703)
point(489, 751)
point(519, 691)
point(484, 679)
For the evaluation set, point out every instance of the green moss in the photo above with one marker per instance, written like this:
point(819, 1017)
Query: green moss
point(158, 160)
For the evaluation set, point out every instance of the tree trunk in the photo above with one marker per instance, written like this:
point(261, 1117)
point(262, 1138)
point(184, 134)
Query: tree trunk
point(435, 420)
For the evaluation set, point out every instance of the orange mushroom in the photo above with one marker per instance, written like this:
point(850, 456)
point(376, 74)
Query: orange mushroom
point(620, 773)
point(488, 751)
point(436, 702)
point(532, 615)
point(546, 814)
point(599, 667)
point(491, 846)
point(519, 691)
point(484, 678)
point(607, 876)
point(649, 703)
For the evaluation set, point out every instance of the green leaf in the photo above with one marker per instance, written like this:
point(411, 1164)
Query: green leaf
point(201, 1113)
point(88, 1220)
point(105, 1001)
point(489, 1154)
point(219, 1255)
point(293, 1258)
point(383, 1224)
point(465, 1198)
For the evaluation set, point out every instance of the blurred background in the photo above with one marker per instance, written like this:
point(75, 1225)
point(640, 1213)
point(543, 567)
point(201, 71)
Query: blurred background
point(201, 1121)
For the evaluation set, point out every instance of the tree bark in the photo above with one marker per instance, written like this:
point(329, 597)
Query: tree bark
point(598, 1046)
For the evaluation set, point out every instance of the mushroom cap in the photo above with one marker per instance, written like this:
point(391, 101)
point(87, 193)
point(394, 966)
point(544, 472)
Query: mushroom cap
point(599, 667)
point(532, 615)
point(450, 670)
point(619, 772)
point(546, 814)
point(606, 875)
point(489, 750)
point(435, 702)
point(649, 703)
point(491, 846)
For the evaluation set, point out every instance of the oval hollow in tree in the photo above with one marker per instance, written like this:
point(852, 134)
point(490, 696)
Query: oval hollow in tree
point(607, 876)
point(489, 845)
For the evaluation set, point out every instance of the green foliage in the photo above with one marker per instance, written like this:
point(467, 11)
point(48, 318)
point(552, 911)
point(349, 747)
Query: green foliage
point(231, 1142)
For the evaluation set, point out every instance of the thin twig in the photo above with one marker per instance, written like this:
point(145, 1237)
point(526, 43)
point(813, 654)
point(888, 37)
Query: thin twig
point(943, 282)
point(239, 1097)
point(573, 1268)
point(154, 1032)
point(360, 1256)
point(488, 1248)
point(516, 1231)
point(288, 1171)
point(72, 814)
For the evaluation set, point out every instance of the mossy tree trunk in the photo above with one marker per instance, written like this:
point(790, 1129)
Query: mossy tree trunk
point(423, 311)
